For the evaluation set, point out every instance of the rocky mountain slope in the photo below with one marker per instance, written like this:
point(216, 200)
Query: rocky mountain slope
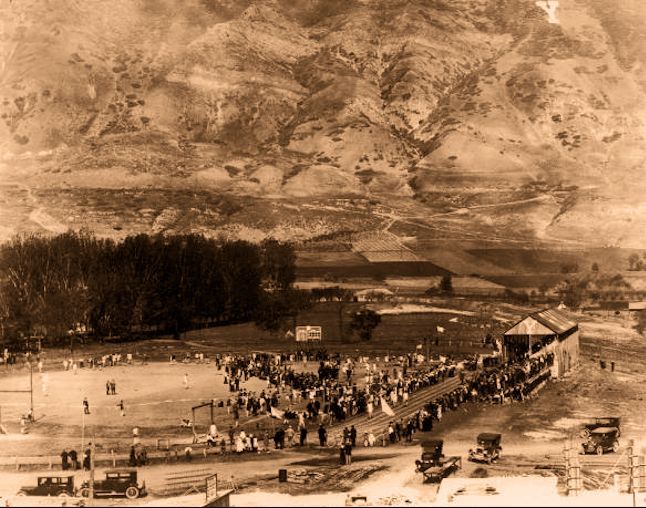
point(297, 119)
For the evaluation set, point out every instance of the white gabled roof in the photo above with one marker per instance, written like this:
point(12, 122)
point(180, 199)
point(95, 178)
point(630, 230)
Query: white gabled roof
point(529, 326)
point(544, 322)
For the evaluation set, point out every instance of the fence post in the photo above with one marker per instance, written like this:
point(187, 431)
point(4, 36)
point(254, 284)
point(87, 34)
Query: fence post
point(633, 468)
point(17, 465)
point(50, 462)
point(114, 460)
point(566, 453)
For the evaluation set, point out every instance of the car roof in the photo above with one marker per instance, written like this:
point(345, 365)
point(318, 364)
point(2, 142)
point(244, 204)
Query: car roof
point(56, 476)
point(604, 430)
point(432, 443)
point(122, 470)
point(488, 436)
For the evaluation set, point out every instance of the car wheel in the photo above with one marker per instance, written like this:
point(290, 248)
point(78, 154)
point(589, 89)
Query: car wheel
point(615, 446)
point(85, 492)
point(63, 494)
point(132, 492)
point(599, 450)
point(21, 493)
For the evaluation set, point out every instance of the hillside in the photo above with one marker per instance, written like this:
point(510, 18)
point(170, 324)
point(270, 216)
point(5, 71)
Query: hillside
point(422, 119)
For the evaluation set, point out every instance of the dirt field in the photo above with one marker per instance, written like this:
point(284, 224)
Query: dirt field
point(534, 432)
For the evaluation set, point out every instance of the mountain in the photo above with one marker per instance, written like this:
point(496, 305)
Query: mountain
point(311, 119)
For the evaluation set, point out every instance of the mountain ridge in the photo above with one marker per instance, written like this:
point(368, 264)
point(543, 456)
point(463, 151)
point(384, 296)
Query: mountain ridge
point(472, 117)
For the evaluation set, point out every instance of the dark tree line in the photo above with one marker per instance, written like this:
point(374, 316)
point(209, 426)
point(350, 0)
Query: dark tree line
point(141, 284)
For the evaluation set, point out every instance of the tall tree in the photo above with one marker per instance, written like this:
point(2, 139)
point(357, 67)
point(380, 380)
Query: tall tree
point(446, 284)
point(278, 264)
point(364, 322)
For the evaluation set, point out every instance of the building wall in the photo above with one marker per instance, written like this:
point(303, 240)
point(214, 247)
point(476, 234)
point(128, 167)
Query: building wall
point(566, 353)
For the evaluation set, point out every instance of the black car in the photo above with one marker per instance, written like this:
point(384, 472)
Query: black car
point(601, 440)
point(431, 454)
point(602, 421)
point(117, 483)
point(51, 485)
point(487, 449)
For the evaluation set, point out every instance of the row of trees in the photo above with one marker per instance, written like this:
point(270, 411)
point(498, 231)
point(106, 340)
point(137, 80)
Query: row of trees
point(160, 283)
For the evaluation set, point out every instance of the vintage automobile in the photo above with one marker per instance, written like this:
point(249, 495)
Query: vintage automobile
point(51, 485)
point(601, 440)
point(431, 454)
point(118, 482)
point(433, 465)
point(602, 421)
point(487, 448)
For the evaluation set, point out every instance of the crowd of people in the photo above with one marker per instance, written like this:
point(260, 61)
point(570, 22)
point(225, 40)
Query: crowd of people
point(70, 460)
point(314, 390)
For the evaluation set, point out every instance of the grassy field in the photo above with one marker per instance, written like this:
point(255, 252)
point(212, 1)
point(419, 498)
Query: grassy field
point(525, 281)
point(396, 334)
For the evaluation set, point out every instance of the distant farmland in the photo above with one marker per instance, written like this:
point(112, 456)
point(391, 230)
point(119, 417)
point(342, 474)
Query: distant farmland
point(371, 270)
point(536, 280)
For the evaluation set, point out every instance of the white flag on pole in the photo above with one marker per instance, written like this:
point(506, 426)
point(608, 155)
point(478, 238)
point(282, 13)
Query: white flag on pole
point(453, 320)
point(440, 329)
point(386, 408)
point(277, 413)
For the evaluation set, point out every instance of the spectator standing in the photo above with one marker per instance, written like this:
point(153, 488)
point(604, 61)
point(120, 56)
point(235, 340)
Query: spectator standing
point(86, 459)
point(64, 462)
point(75, 459)
point(323, 435)
point(348, 453)
point(289, 433)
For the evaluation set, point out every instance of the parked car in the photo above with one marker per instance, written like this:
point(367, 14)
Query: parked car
point(118, 482)
point(433, 465)
point(431, 454)
point(602, 421)
point(601, 440)
point(51, 485)
point(487, 448)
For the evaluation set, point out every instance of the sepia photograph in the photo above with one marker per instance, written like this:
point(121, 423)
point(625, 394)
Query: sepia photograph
point(322, 253)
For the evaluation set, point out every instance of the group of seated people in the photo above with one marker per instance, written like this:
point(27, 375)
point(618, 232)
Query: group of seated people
point(511, 381)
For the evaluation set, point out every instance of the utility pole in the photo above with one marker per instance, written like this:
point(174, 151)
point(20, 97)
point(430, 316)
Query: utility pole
point(92, 467)
point(31, 390)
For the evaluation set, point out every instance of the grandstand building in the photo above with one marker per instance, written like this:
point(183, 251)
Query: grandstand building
point(549, 330)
